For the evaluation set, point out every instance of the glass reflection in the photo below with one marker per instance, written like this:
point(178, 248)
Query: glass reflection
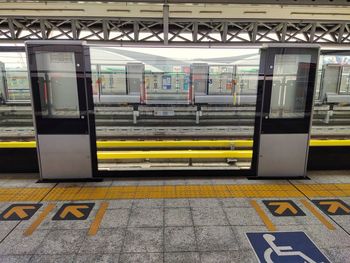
point(57, 76)
point(289, 86)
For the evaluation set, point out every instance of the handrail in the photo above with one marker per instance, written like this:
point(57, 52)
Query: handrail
point(178, 144)
point(175, 143)
point(175, 154)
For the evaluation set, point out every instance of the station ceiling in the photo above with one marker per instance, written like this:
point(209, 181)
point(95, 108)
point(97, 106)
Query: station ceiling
point(223, 22)
point(259, 2)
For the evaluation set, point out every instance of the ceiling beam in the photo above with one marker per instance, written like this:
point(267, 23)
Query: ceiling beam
point(176, 10)
point(257, 2)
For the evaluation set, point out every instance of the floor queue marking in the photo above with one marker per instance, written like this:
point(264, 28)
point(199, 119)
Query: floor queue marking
point(333, 206)
point(19, 212)
point(268, 223)
point(39, 220)
point(281, 247)
point(98, 219)
point(283, 208)
point(317, 214)
point(74, 211)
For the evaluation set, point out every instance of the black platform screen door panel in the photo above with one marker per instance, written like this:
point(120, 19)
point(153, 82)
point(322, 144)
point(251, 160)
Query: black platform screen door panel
point(60, 77)
point(284, 110)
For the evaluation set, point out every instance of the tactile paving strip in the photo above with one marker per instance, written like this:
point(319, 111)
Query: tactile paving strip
point(75, 193)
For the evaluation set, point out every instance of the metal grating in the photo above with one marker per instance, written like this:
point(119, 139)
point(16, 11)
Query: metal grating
point(175, 31)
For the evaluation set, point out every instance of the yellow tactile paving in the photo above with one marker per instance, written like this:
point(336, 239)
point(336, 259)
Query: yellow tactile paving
point(23, 194)
point(325, 190)
point(344, 186)
point(73, 193)
point(63, 193)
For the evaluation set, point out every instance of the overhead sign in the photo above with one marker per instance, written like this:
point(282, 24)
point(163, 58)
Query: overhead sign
point(282, 247)
point(333, 206)
point(74, 211)
point(19, 212)
point(283, 208)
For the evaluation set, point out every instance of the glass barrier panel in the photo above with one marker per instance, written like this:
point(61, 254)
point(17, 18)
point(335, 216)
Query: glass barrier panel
point(176, 99)
point(221, 79)
point(3, 88)
point(331, 78)
point(58, 84)
point(135, 77)
point(95, 80)
point(345, 81)
point(331, 115)
point(16, 122)
point(289, 86)
point(178, 94)
point(247, 78)
point(14, 68)
point(112, 79)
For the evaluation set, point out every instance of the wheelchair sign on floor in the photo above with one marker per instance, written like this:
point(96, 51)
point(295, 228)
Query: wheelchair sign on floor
point(293, 247)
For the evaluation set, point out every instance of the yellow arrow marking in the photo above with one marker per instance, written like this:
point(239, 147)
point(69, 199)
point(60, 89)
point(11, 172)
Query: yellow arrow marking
point(74, 210)
point(334, 206)
point(19, 210)
point(283, 206)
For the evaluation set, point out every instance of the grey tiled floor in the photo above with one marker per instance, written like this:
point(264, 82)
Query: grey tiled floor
point(167, 230)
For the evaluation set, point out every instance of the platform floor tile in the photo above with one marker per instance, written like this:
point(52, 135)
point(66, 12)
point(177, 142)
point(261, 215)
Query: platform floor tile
point(186, 220)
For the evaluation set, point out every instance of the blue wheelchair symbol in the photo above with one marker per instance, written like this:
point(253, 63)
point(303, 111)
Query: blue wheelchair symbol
point(293, 247)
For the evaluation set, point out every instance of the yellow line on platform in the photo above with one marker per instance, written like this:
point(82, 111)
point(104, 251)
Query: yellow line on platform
point(30, 144)
point(98, 219)
point(39, 220)
point(266, 220)
point(178, 144)
point(317, 214)
point(76, 193)
point(327, 142)
point(174, 154)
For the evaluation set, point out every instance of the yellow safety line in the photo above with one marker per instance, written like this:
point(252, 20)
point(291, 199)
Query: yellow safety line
point(266, 220)
point(30, 144)
point(327, 142)
point(179, 144)
point(317, 214)
point(174, 154)
point(79, 192)
point(95, 225)
point(147, 144)
point(39, 220)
